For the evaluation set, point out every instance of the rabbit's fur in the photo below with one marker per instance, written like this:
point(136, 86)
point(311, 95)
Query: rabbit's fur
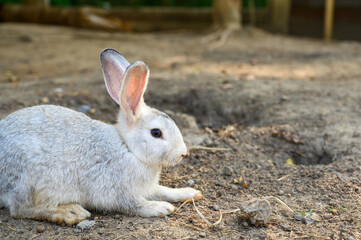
point(54, 161)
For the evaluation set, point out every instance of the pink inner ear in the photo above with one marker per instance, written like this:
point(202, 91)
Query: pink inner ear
point(135, 87)
point(113, 81)
point(114, 66)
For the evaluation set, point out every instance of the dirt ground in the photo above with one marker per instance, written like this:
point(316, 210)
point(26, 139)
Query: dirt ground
point(282, 113)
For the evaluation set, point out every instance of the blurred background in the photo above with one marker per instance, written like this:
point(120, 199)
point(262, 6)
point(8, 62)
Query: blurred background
point(309, 18)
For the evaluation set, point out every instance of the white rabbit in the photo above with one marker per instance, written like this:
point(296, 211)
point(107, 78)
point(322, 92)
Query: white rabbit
point(54, 162)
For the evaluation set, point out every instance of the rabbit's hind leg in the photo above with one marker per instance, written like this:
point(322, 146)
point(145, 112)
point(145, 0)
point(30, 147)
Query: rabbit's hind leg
point(67, 213)
point(70, 214)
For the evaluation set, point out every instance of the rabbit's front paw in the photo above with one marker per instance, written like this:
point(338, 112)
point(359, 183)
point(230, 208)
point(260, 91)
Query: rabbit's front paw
point(184, 194)
point(156, 209)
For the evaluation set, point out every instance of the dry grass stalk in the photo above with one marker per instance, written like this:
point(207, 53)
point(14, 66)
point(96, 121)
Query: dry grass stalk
point(209, 148)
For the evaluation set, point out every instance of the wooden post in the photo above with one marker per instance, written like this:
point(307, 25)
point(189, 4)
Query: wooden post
point(280, 15)
point(328, 20)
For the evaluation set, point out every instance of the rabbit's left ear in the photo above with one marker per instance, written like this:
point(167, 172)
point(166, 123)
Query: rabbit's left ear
point(114, 66)
point(133, 88)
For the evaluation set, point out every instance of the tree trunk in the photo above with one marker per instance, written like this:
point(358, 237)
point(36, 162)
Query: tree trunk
point(227, 14)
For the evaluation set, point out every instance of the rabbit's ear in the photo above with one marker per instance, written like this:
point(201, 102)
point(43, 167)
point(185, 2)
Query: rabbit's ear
point(114, 66)
point(133, 88)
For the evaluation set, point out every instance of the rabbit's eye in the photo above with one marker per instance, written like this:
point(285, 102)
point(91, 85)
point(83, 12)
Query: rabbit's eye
point(156, 133)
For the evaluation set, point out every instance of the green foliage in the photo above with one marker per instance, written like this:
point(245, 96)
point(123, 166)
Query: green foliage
point(303, 213)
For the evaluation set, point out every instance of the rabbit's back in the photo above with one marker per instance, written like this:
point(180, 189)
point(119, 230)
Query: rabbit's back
point(53, 151)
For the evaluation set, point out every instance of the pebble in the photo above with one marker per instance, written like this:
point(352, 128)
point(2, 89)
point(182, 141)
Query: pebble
point(117, 216)
point(45, 100)
point(76, 230)
point(194, 175)
point(327, 216)
point(58, 92)
point(285, 98)
point(85, 238)
point(281, 192)
point(215, 207)
point(190, 183)
point(350, 238)
point(72, 102)
point(84, 108)
point(101, 231)
point(245, 224)
point(228, 171)
point(40, 228)
point(86, 224)
point(203, 234)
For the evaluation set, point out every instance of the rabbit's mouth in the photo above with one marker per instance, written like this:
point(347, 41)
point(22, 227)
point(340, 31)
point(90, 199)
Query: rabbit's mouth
point(173, 162)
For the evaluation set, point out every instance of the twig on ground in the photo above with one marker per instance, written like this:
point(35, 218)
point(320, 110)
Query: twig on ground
point(205, 220)
point(209, 148)
point(209, 224)
point(280, 202)
point(184, 203)
point(286, 176)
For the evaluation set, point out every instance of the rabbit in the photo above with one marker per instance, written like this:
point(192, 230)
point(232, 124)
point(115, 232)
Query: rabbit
point(55, 162)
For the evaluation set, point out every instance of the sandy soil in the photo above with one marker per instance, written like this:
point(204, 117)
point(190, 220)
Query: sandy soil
point(255, 102)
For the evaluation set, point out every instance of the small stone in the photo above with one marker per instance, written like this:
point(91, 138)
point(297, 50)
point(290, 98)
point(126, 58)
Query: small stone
point(203, 234)
point(101, 231)
point(45, 100)
point(298, 217)
point(310, 218)
point(215, 207)
point(286, 227)
point(350, 238)
point(190, 183)
point(76, 230)
point(72, 102)
point(327, 216)
point(84, 108)
point(58, 92)
point(285, 98)
point(117, 216)
point(228, 171)
point(86, 224)
point(281, 192)
point(333, 211)
point(289, 195)
point(85, 238)
point(96, 218)
point(245, 224)
point(13, 79)
point(193, 175)
point(40, 228)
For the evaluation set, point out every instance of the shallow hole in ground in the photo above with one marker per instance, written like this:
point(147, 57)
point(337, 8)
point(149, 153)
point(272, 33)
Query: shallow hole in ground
point(311, 156)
